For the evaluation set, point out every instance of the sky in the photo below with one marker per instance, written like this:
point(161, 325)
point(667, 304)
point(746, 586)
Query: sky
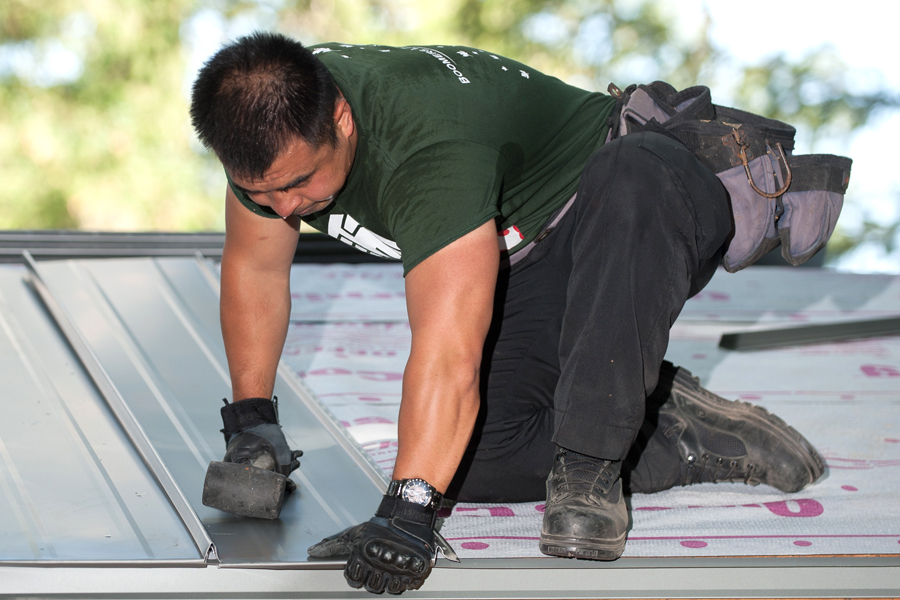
point(749, 34)
point(862, 33)
point(865, 36)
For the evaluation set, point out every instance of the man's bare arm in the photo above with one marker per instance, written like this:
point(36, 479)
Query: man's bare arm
point(255, 301)
point(450, 303)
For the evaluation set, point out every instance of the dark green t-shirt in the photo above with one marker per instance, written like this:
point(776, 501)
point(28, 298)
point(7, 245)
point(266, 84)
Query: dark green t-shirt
point(449, 138)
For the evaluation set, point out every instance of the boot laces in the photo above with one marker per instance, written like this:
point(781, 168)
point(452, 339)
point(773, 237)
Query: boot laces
point(580, 473)
point(707, 469)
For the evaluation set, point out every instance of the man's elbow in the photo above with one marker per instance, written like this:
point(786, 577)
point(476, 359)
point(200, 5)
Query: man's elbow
point(465, 372)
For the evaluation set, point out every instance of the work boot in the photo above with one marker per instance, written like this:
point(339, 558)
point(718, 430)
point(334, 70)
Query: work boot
point(694, 436)
point(585, 515)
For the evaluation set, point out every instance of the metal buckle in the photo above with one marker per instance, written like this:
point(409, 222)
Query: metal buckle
point(743, 146)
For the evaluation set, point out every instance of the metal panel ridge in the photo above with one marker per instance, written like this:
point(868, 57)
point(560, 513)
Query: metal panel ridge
point(123, 414)
point(72, 488)
point(365, 462)
point(331, 424)
point(153, 327)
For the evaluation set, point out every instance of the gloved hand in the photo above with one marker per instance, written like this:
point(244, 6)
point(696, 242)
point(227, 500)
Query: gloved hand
point(253, 436)
point(393, 551)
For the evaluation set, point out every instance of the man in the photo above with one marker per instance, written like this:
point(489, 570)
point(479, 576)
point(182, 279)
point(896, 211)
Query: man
point(543, 271)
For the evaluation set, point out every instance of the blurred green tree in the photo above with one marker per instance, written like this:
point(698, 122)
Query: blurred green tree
point(94, 127)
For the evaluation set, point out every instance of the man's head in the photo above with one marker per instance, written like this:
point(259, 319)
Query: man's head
point(258, 95)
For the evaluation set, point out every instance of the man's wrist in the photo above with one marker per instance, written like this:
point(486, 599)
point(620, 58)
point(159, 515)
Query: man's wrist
point(416, 491)
point(242, 415)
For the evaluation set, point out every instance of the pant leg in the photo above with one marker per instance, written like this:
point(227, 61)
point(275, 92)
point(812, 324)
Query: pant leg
point(511, 450)
point(581, 325)
point(651, 223)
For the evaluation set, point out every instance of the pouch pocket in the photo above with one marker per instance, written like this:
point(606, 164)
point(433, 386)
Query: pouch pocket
point(812, 204)
point(755, 216)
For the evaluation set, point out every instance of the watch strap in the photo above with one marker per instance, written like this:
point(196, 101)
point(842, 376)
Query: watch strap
point(395, 489)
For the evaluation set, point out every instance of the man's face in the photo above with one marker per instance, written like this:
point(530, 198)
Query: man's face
point(304, 180)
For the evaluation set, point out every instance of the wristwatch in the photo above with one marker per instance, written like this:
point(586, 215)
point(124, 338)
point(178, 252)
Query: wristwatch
point(417, 491)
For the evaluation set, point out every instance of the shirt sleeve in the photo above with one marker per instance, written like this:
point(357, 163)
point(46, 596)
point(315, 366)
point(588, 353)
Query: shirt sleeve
point(440, 194)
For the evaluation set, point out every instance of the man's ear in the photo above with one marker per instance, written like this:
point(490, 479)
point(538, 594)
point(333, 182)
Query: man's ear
point(343, 117)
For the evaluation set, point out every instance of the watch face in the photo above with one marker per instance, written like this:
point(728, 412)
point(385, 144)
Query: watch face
point(416, 491)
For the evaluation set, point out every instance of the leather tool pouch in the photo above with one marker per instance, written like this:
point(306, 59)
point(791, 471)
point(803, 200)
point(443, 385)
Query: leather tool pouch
point(776, 198)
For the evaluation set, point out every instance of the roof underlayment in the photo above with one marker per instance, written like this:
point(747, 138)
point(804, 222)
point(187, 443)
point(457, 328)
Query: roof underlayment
point(114, 371)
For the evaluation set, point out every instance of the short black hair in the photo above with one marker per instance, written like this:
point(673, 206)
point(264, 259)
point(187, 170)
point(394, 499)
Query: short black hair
point(257, 94)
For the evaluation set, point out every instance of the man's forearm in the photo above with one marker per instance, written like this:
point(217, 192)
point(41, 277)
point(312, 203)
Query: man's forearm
point(255, 311)
point(449, 299)
point(437, 416)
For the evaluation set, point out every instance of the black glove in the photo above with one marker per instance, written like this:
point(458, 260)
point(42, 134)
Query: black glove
point(393, 551)
point(253, 436)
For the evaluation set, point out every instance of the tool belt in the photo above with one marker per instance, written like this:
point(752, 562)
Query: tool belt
point(776, 197)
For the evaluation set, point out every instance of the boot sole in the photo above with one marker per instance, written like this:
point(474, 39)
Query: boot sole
point(685, 384)
point(565, 547)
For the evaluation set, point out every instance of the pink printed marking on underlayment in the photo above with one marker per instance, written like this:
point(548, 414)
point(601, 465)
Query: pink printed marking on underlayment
point(493, 537)
point(850, 488)
point(759, 537)
point(540, 508)
point(880, 370)
point(371, 420)
point(711, 295)
point(786, 508)
point(860, 464)
point(657, 508)
point(331, 371)
point(803, 543)
point(341, 394)
point(694, 544)
point(892, 440)
point(380, 375)
point(679, 538)
point(475, 545)
point(698, 356)
point(495, 511)
point(803, 507)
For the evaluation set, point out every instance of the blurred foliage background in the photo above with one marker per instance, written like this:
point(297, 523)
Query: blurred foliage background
point(94, 127)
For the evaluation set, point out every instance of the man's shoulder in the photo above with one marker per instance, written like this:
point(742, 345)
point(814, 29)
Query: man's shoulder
point(427, 65)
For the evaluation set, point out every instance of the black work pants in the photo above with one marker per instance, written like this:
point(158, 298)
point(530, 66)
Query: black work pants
point(581, 324)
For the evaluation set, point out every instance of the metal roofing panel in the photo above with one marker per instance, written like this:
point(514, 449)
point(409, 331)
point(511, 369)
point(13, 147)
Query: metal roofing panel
point(71, 486)
point(107, 306)
point(153, 326)
point(499, 578)
point(60, 244)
